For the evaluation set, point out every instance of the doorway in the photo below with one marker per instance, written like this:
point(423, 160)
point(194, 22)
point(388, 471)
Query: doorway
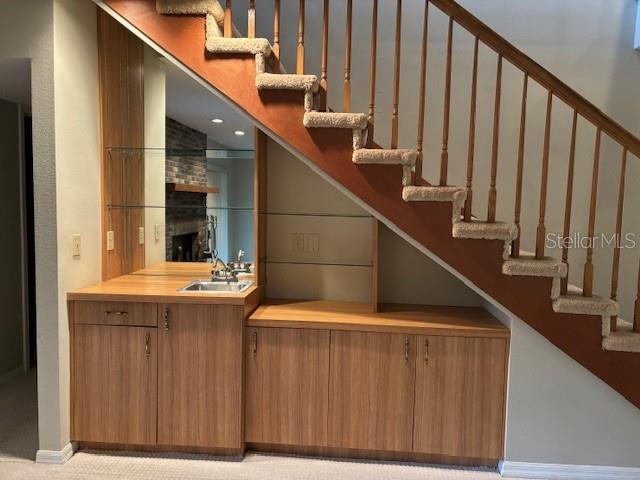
point(18, 357)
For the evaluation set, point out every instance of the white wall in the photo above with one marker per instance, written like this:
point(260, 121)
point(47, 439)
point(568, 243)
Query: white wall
point(154, 139)
point(558, 412)
point(77, 168)
point(26, 30)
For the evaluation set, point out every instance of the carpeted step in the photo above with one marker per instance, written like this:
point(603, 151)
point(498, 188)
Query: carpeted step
point(575, 303)
point(434, 194)
point(485, 231)
point(381, 156)
point(188, 7)
point(335, 120)
point(287, 81)
point(624, 339)
point(532, 267)
point(253, 46)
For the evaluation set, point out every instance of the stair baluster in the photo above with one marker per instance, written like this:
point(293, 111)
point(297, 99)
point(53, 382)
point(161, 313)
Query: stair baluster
point(251, 19)
point(422, 94)
point(395, 123)
point(493, 193)
point(515, 245)
point(568, 201)
point(444, 157)
point(228, 21)
point(346, 94)
point(372, 74)
point(300, 51)
point(587, 284)
point(541, 231)
point(472, 132)
point(276, 36)
point(615, 272)
point(324, 84)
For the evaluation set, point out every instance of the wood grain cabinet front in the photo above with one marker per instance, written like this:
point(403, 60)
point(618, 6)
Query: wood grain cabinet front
point(114, 390)
point(371, 391)
point(460, 396)
point(287, 386)
point(200, 376)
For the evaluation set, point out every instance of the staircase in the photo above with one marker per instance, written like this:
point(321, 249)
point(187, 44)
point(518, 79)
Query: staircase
point(201, 35)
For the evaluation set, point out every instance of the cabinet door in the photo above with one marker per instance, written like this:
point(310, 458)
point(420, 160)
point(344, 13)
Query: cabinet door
point(200, 376)
point(371, 391)
point(287, 386)
point(460, 390)
point(114, 384)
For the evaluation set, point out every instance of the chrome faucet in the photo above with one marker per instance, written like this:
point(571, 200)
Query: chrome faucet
point(225, 273)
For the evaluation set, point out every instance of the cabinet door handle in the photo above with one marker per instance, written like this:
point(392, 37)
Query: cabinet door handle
point(426, 350)
point(254, 344)
point(115, 312)
point(166, 318)
point(406, 349)
point(147, 345)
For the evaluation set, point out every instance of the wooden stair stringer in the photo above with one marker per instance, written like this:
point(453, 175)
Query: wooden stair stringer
point(428, 224)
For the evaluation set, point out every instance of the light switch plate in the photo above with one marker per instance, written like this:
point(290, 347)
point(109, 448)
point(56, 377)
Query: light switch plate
point(111, 240)
point(157, 232)
point(75, 245)
point(141, 235)
point(312, 242)
point(297, 242)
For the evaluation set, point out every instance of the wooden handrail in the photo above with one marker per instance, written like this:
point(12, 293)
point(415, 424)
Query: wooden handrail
point(537, 72)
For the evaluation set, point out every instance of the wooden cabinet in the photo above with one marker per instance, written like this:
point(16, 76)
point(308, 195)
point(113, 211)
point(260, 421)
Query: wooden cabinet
point(371, 390)
point(460, 390)
point(114, 390)
point(287, 386)
point(200, 376)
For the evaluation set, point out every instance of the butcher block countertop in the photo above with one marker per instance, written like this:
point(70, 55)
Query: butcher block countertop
point(161, 284)
point(418, 319)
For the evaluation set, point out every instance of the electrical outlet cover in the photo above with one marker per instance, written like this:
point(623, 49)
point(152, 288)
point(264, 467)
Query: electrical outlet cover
point(141, 235)
point(75, 245)
point(312, 241)
point(111, 241)
point(157, 230)
point(297, 242)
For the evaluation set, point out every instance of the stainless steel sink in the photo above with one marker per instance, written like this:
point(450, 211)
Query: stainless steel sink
point(217, 286)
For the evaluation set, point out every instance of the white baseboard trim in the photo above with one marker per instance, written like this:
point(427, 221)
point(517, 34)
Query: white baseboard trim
point(553, 471)
point(55, 457)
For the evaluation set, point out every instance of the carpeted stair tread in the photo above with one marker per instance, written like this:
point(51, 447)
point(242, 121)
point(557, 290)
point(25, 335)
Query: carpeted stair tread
point(335, 120)
point(381, 156)
point(187, 7)
point(533, 267)
point(276, 81)
point(579, 304)
point(624, 339)
point(485, 230)
point(434, 194)
point(253, 46)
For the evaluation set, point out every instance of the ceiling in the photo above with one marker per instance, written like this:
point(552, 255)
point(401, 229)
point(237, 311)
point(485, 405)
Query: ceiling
point(190, 103)
point(15, 81)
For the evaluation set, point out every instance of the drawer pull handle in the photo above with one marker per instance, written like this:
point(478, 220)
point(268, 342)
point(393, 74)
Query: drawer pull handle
point(406, 349)
point(115, 312)
point(147, 347)
point(166, 319)
point(426, 350)
point(254, 344)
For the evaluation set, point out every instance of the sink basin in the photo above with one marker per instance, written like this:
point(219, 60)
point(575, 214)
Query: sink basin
point(218, 286)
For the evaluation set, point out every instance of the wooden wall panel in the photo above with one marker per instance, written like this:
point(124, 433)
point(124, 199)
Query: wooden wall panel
point(121, 64)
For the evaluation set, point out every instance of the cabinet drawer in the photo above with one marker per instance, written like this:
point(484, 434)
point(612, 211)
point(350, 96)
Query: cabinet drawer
point(116, 313)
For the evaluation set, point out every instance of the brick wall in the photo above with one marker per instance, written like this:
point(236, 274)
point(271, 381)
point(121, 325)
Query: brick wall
point(186, 211)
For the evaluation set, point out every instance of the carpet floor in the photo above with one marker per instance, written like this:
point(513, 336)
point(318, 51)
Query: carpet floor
point(93, 466)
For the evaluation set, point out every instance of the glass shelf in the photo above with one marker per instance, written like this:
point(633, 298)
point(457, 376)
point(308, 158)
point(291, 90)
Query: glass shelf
point(183, 152)
point(317, 262)
point(183, 207)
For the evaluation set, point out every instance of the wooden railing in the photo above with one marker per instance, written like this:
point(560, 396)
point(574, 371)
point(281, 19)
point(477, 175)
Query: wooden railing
point(484, 37)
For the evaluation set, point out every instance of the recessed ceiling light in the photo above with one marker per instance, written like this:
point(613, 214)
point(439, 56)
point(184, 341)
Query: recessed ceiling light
point(217, 120)
point(240, 133)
